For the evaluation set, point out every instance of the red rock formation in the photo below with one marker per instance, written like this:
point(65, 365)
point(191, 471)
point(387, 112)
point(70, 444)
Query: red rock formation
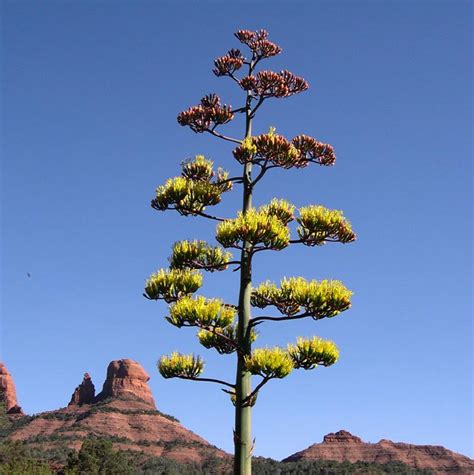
point(126, 378)
point(8, 392)
point(343, 446)
point(125, 412)
point(84, 393)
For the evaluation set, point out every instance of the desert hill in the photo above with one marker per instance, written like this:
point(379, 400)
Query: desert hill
point(343, 446)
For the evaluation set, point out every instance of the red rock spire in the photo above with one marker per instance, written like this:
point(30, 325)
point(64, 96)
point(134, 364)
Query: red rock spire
point(8, 392)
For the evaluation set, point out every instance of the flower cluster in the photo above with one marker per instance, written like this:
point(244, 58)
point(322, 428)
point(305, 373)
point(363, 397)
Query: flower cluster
point(326, 298)
point(269, 363)
point(268, 148)
point(206, 115)
point(224, 340)
point(227, 65)
point(259, 44)
point(198, 187)
point(198, 255)
point(180, 366)
point(319, 225)
point(201, 312)
point(309, 353)
point(281, 209)
point(278, 363)
point(271, 84)
point(170, 285)
point(276, 150)
point(255, 227)
point(313, 151)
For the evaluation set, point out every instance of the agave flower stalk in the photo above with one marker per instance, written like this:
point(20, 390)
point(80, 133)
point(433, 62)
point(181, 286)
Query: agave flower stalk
point(230, 329)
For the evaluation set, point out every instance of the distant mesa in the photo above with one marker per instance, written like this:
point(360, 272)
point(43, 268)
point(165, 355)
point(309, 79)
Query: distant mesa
point(8, 391)
point(343, 446)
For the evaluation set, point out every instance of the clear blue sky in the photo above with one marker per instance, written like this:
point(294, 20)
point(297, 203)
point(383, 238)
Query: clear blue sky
point(90, 95)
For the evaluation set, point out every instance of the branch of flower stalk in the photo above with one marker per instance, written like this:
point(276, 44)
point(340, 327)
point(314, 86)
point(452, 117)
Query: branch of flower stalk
point(223, 137)
point(187, 212)
point(166, 299)
point(235, 179)
point(208, 380)
point(263, 169)
point(231, 75)
point(302, 241)
point(258, 320)
point(199, 265)
point(259, 103)
point(240, 109)
point(251, 397)
point(208, 216)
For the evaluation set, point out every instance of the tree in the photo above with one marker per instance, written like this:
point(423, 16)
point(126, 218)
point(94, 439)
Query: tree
point(253, 230)
point(97, 456)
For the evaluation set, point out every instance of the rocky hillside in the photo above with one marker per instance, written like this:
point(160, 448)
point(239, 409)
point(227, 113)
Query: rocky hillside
point(343, 446)
point(124, 412)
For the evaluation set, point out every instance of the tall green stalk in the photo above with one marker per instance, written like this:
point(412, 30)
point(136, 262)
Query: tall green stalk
point(243, 383)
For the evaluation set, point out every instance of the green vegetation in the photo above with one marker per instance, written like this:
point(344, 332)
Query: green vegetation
point(98, 457)
point(17, 459)
point(230, 327)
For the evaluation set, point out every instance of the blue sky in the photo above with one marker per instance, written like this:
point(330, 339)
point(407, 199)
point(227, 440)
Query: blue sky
point(90, 94)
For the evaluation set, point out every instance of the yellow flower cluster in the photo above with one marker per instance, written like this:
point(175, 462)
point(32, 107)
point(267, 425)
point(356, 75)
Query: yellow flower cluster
point(200, 311)
point(319, 224)
point(256, 227)
point(326, 298)
point(178, 365)
point(171, 284)
point(269, 362)
point(309, 353)
point(198, 255)
point(281, 209)
point(224, 340)
point(197, 188)
point(305, 354)
point(199, 169)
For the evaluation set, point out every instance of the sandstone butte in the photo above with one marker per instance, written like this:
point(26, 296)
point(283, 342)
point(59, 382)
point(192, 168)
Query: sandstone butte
point(125, 412)
point(343, 446)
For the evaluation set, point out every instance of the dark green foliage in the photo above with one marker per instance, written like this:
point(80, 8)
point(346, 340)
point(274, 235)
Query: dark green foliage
point(17, 459)
point(262, 466)
point(5, 423)
point(97, 457)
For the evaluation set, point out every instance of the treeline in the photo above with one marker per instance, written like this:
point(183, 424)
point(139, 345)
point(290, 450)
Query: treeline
point(98, 457)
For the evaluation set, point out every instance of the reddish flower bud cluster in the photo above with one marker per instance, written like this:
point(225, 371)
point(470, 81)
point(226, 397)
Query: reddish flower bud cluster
point(258, 43)
point(271, 84)
point(206, 115)
point(228, 64)
point(313, 151)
